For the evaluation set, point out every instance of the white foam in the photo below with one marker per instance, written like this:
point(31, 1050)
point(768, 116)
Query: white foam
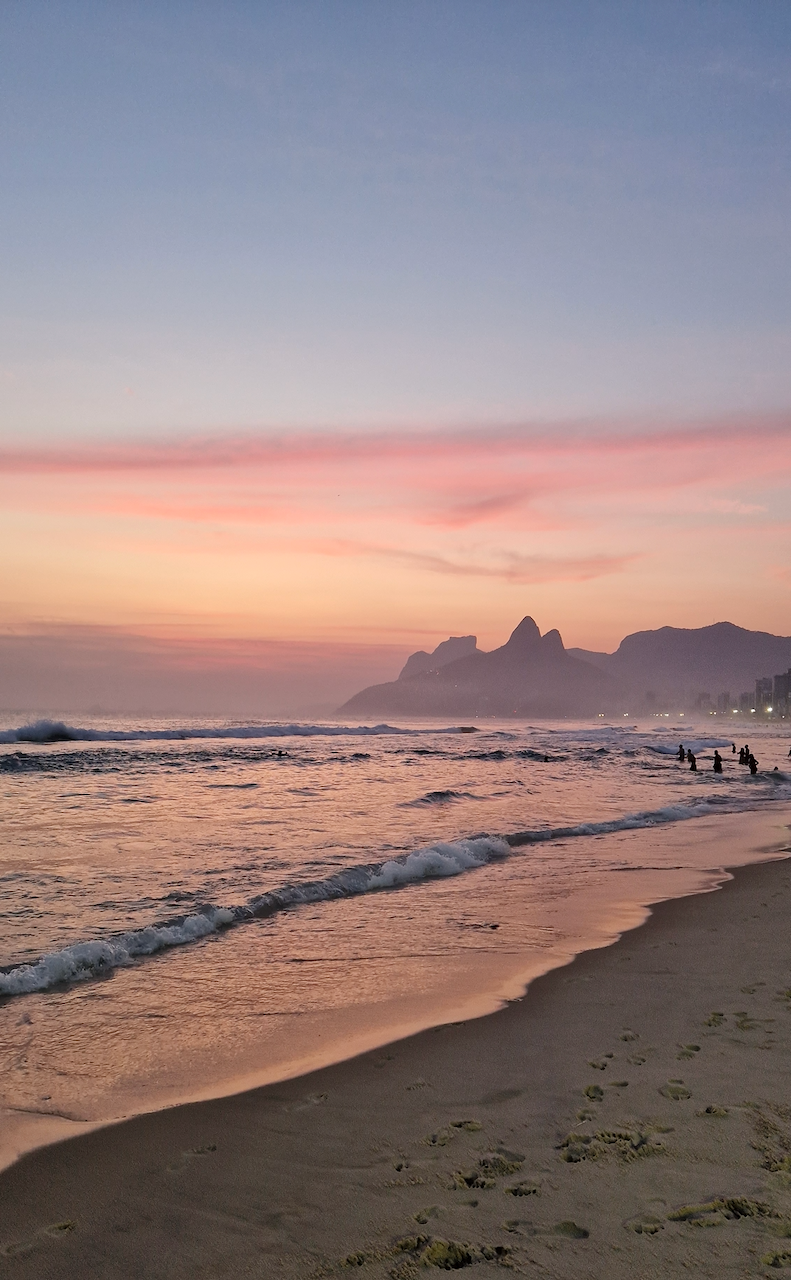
point(439, 860)
point(49, 731)
point(445, 858)
point(630, 822)
point(91, 959)
point(693, 744)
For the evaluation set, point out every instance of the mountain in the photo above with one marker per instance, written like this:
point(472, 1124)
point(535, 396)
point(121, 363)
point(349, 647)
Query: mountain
point(681, 663)
point(448, 651)
point(530, 675)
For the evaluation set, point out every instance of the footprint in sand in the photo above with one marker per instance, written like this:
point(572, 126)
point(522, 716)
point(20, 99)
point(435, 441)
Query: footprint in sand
point(570, 1230)
point(676, 1090)
point(423, 1215)
point(312, 1100)
point(687, 1050)
point(777, 1258)
point(439, 1138)
point(644, 1224)
point(54, 1231)
point(186, 1157)
point(524, 1189)
point(520, 1227)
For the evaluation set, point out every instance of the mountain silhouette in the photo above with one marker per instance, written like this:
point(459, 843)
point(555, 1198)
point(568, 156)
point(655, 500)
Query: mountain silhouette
point(536, 676)
point(450, 649)
point(530, 675)
point(679, 662)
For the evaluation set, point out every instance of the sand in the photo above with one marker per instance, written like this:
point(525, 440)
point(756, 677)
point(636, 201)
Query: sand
point(630, 1116)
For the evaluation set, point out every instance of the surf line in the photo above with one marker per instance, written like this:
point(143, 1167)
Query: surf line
point(86, 960)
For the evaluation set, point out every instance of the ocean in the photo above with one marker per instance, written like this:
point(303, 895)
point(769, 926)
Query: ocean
point(191, 908)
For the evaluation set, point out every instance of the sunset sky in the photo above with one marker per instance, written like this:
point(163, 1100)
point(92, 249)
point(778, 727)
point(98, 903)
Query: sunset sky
point(332, 329)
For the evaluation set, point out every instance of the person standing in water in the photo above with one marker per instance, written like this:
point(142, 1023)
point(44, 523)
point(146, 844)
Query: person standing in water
point(693, 764)
point(717, 762)
point(753, 763)
point(682, 755)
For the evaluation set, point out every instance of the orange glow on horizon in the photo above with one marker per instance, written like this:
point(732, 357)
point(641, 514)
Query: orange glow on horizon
point(593, 528)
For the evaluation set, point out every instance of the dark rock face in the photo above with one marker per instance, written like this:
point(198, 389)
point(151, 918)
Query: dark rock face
point(681, 661)
point(530, 675)
point(448, 651)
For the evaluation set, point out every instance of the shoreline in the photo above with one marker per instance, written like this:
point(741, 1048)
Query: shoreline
point(752, 832)
point(397, 1144)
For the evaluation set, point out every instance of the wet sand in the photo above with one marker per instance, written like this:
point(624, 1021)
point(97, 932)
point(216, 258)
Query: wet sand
point(630, 1116)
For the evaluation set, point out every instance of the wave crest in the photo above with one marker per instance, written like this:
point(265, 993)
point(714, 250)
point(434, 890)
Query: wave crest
point(51, 731)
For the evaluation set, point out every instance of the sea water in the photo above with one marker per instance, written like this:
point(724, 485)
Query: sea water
point(188, 908)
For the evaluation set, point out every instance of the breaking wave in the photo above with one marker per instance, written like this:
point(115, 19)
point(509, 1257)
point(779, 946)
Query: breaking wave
point(694, 745)
point(93, 959)
point(86, 960)
point(51, 731)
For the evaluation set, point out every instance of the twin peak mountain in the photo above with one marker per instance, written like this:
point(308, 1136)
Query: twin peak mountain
point(536, 676)
point(530, 674)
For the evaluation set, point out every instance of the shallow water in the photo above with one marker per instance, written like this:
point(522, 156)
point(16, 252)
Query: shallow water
point(185, 906)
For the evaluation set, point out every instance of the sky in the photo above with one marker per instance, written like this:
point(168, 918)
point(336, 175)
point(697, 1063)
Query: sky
point(331, 329)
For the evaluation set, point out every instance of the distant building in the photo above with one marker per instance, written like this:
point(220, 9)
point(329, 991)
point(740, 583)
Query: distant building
point(763, 693)
point(746, 701)
point(724, 702)
point(781, 694)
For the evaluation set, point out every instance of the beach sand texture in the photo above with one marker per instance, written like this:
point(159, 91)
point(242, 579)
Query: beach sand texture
point(631, 1116)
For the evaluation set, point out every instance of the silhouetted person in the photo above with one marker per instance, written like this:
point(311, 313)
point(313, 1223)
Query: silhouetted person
point(742, 757)
point(753, 763)
point(717, 762)
point(693, 764)
point(682, 755)
point(733, 748)
point(689, 754)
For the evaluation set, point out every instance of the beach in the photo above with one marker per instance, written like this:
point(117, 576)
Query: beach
point(629, 1116)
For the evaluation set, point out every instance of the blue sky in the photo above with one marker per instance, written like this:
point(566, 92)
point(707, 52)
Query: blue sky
point(243, 215)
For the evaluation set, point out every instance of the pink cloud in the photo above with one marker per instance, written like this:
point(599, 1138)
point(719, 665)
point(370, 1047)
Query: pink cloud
point(513, 567)
point(748, 434)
